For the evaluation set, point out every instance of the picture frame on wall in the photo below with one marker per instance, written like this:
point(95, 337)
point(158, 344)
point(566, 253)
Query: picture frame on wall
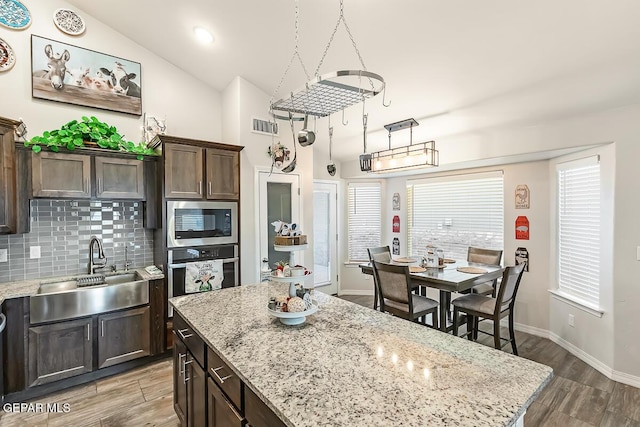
point(74, 75)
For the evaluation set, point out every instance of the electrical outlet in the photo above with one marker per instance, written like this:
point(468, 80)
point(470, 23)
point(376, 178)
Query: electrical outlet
point(4, 253)
point(572, 319)
point(34, 252)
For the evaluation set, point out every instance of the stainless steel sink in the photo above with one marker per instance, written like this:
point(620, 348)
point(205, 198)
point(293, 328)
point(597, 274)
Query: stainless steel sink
point(86, 296)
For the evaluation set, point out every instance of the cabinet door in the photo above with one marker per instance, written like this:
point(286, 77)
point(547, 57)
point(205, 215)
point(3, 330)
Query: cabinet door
point(221, 411)
point(183, 171)
point(223, 174)
point(119, 178)
point(123, 336)
point(7, 182)
point(179, 382)
point(60, 350)
point(61, 175)
point(196, 394)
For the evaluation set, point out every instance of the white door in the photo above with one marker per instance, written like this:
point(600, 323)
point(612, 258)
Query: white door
point(325, 257)
point(279, 200)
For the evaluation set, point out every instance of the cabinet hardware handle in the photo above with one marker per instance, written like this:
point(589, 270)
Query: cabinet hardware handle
point(199, 187)
point(180, 365)
point(88, 331)
point(215, 372)
point(182, 333)
point(185, 378)
point(99, 186)
point(209, 187)
point(86, 186)
point(102, 327)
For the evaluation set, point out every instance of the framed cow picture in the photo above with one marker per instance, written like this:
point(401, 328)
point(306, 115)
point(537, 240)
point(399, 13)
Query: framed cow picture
point(75, 75)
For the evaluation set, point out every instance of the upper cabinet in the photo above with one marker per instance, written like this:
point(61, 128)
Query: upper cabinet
point(57, 175)
point(8, 215)
point(201, 172)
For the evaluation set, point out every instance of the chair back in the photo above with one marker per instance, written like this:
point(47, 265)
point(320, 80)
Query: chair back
point(484, 256)
point(381, 254)
point(509, 287)
point(394, 282)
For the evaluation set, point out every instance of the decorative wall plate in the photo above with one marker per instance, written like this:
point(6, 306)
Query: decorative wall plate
point(68, 21)
point(7, 57)
point(14, 15)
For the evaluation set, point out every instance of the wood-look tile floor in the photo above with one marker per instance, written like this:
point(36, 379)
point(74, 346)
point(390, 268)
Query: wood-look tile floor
point(140, 397)
point(578, 395)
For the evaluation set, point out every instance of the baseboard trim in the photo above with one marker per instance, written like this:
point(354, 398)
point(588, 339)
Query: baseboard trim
point(605, 370)
point(365, 292)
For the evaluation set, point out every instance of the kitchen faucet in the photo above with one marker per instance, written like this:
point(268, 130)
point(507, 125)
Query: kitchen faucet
point(101, 261)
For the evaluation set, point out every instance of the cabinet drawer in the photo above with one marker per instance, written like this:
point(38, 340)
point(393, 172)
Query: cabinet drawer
point(193, 342)
point(221, 411)
point(226, 379)
point(258, 413)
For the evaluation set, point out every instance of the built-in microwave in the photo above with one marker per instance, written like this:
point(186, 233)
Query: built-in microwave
point(198, 223)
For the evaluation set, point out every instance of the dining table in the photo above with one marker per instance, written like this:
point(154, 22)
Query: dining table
point(447, 279)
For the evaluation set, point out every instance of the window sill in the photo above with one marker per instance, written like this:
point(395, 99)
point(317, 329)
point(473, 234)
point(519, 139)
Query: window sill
point(574, 302)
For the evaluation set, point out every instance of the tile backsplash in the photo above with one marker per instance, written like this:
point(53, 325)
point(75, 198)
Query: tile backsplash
point(62, 229)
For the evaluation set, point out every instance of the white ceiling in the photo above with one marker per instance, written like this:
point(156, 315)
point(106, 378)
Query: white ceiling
point(454, 65)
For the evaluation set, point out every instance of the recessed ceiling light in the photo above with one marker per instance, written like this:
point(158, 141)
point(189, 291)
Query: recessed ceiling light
point(203, 35)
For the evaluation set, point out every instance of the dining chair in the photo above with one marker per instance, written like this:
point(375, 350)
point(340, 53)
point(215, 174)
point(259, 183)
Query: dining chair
point(489, 257)
point(381, 254)
point(396, 296)
point(477, 306)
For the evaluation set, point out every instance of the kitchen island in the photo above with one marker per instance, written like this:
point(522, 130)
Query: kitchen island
point(349, 365)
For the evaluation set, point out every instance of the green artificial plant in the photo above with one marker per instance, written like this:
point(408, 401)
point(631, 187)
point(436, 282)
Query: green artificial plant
point(75, 133)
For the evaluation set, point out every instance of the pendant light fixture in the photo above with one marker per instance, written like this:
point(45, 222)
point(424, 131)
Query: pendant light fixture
point(412, 156)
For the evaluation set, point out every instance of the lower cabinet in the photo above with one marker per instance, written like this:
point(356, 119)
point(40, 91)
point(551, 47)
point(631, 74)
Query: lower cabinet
point(60, 350)
point(221, 411)
point(189, 386)
point(123, 336)
point(214, 396)
point(66, 349)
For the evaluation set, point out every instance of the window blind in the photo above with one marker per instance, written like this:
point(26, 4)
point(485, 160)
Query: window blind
point(455, 212)
point(364, 219)
point(579, 229)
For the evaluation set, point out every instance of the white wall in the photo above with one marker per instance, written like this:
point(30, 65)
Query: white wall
point(192, 108)
point(242, 101)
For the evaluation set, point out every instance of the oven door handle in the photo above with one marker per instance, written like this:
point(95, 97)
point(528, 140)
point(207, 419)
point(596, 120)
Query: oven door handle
point(177, 265)
point(236, 259)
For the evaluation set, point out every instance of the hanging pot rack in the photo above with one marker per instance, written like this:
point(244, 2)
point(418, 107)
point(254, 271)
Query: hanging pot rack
point(329, 93)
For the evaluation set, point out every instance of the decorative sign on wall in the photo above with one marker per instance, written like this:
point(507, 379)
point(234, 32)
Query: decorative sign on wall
point(396, 224)
point(396, 246)
point(74, 75)
point(522, 197)
point(522, 228)
point(522, 257)
point(396, 201)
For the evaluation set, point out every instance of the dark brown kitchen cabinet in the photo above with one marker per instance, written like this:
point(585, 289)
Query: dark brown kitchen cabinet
point(223, 172)
point(195, 172)
point(61, 175)
point(183, 171)
point(60, 350)
point(221, 412)
point(123, 336)
point(8, 213)
point(189, 386)
point(70, 175)
point(119, 178)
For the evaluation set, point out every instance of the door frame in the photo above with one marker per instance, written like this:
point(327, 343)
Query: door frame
point(334, 286)
point(261, 199)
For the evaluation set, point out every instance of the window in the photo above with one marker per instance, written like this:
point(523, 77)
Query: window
point(579, 230)
point(364, 218)
point(455, 212)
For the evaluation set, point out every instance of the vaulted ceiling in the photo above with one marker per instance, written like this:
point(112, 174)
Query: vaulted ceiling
point(456, 66)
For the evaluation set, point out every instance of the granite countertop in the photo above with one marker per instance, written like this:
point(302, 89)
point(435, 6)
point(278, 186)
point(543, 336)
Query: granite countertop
point(349, 365)
point(25, 288)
